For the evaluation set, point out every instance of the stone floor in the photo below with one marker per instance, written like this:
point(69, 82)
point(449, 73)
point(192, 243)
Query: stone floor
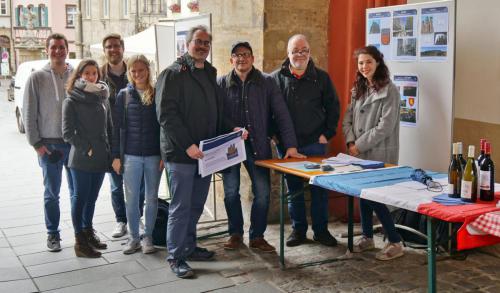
point(26, 266)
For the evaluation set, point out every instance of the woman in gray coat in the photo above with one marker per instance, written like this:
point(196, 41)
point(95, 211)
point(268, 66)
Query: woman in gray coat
point(371, 129)
point(87, 127)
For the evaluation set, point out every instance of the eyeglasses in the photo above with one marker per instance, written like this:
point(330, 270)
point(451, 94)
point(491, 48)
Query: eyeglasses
point(199, 42)
point(244, 55)
point(109, 47)
point(302, 52)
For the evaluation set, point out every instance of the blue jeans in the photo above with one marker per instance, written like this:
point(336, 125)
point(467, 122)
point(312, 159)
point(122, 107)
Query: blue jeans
point(118, 198)
point(87, 186)
point(52, 176)
point(189, 194)
point(261, 188)
point(367, 207)
point(138, 170)
point(319, 197)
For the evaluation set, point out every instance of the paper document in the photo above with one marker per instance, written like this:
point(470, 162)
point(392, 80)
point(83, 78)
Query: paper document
point(221, 152)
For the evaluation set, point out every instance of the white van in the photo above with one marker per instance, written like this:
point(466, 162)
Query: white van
point(23, 72)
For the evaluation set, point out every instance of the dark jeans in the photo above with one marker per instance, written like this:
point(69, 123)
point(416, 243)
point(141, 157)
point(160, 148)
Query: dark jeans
point(367, 207)
point(319, 197)
point(52, 176)
point(118, 197)
point(261, 188)
point(87, 186)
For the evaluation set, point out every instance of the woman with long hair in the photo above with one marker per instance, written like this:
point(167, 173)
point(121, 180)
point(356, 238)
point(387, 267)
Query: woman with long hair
point(136, 150)
point(371, 129)
point(87, 126)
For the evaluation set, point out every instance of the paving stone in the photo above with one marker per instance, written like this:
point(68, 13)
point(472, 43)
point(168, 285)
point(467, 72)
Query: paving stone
point(250, 287)
point(231, 273)
point(64, 266)
point(149, 261)
point(18, 286)
point(47, 257)
point(151, 278)
point(112, 285)
point(201, 283)
point(13, 273)
point(241, 279)
point(87, 275)
point(10, 262)
point(4, 243)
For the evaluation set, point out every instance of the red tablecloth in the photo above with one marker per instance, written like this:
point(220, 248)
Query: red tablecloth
point(466, 214)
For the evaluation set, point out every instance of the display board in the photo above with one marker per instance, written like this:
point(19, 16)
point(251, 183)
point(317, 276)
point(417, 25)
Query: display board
point(171, 38)
point(418, 43)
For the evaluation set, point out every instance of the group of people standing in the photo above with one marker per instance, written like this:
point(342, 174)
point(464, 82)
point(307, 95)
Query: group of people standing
point(93, 120)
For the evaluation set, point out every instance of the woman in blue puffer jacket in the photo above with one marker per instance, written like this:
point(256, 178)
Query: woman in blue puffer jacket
point(136, 150)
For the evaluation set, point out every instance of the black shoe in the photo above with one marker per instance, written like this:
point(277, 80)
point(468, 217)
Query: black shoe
point(181, 269)
point(201, 254)
point(296, 238)
point(325, 238)
point(53, 243)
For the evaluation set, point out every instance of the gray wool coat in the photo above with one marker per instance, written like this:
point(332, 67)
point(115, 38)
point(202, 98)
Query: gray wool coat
point(372, 123)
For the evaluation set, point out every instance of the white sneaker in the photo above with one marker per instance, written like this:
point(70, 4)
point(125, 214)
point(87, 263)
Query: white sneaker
point(363, 244)
point(390, 251)
point(132, 246)
point(147, 245)
point(120, 230)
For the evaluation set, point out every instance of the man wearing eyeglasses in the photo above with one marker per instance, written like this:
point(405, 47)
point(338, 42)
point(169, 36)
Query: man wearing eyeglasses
point(114, 74)
point(189, 109)
point(251, 99)
point(314, 106)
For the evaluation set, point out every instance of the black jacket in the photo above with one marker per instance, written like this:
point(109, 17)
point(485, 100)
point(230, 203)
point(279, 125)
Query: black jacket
point(87, 125)
point(142, 131)
point(259, 99)
point(181, 107)
point(113, 88)
point(312, 101)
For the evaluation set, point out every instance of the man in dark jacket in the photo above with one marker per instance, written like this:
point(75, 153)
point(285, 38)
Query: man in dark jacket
point(114, 74)
point(252, 99)
point(189, 109)
point(314, 107)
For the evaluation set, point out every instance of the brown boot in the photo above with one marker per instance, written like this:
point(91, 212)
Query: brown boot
point(234, 242)
point(83, 248)
point(262, 245)
point(93, 239)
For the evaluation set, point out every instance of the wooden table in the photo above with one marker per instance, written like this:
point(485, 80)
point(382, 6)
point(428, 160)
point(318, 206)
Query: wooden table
point(285, 196)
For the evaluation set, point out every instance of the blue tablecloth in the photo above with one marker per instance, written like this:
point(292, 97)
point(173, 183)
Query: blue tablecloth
point(353, 183)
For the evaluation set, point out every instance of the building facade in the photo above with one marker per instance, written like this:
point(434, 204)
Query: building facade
point(34, 20)
point(127, 17)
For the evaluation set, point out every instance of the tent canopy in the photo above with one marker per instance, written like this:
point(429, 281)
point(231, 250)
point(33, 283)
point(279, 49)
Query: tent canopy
point(141, 43)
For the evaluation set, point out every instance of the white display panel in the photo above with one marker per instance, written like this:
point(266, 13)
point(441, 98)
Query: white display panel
point(427, 143)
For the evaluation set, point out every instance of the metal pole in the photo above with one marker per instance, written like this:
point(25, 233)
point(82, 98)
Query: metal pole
point(431, 256)
point(350, 222)
point(282, 222)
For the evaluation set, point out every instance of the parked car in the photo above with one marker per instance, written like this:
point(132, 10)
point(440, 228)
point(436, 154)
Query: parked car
point(23, 72)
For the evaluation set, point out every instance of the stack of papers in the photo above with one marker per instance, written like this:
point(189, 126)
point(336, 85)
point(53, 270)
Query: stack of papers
point(221, 152)
point(344, 160)
point(444, 199)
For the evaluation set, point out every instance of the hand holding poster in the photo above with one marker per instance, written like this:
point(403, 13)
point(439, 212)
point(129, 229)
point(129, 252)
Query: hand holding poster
point(221, 152)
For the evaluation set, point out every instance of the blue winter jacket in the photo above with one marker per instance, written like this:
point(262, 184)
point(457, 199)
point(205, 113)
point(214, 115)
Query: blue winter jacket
point(142, 131)
point(259, 99)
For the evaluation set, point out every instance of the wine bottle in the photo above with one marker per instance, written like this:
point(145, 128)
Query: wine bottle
point(460, 156)
point(480, 158)
point(468, 191)
point(487, 176)
point(454, 174)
